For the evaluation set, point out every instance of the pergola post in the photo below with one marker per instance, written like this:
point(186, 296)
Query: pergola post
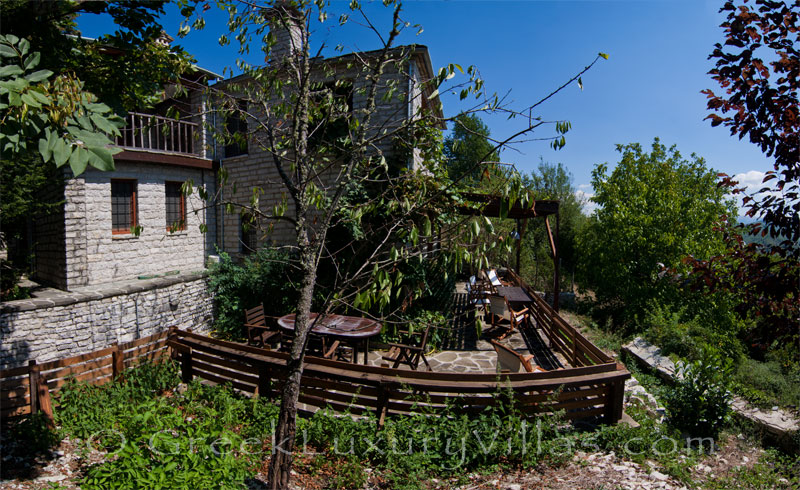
point(557, 267)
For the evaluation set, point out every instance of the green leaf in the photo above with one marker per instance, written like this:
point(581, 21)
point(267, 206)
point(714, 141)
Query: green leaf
point(7, 51)
point(101, 158)
point(61, 152)
point(38, 76)
point(78, 161)
point(103, 124)
point(30, 100)
point(10, 70)
point(44, 149)
point(32, 61)
point(603, 55)
point(580, 83)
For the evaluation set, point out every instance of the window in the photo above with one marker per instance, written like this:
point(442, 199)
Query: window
point(176, 206)
point(236, 127)
point(123, 206)
point(248, 234)
point(332, 106)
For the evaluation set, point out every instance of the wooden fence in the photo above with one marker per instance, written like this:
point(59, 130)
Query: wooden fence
point(576, 348)
point(17, 397)
point(582, 392)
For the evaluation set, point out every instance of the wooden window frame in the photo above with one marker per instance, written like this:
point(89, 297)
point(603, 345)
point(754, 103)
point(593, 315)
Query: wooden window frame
point(182, 221)
point(133, 206)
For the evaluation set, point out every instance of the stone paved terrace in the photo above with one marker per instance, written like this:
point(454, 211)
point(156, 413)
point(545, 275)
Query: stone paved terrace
point(465, 352)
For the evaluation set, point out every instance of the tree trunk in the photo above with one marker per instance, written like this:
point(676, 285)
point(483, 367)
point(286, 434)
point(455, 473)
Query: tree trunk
point(280, 464)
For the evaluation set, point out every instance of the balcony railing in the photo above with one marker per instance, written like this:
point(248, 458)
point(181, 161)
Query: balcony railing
point(158, 133)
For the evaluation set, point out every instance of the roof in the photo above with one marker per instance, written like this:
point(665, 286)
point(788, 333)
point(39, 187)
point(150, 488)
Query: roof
point(419, 52)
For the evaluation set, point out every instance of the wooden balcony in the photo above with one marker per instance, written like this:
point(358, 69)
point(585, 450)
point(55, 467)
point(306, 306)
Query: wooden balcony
point(160, 134)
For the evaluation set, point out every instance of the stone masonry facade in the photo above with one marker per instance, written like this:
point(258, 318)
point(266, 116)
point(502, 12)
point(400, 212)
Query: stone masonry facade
point(92, 255)
point(256, 170)
point(82, 322)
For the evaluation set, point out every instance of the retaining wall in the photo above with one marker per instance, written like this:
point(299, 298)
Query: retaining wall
point(75, 323)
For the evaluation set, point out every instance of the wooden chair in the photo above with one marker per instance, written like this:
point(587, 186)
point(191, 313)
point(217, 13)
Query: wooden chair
point(511, 361)
point(503, 312)
point(477, 296)
point(409, 354)
point(494, 281)
point(258, 333)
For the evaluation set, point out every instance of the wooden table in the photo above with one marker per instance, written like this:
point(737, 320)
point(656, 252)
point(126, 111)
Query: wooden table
point(353, 330)
point(514, 294)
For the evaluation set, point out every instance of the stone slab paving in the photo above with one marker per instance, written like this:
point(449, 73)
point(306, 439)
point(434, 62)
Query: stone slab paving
point(471, 355)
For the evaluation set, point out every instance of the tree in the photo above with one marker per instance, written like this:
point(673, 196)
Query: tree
point(553, 181)
point(758, 66)
point(654, 209)
point(327, 157)
point(467, 147)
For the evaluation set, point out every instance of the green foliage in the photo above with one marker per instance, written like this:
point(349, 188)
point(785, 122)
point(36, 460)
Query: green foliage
point(699, 403)
point(467, 147)
point(690, 323)
point(126, 69)
point(552, 181)
point(766, 384)
point(84, 409)
point(263, 277)
point(55, 118)
point(9, 277)
point(654, 209)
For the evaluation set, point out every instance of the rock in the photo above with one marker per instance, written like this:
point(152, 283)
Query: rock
point(657, 475)
point(514, 486)
point(650, 356)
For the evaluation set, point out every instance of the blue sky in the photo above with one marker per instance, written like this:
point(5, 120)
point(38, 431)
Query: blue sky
point(649, 87)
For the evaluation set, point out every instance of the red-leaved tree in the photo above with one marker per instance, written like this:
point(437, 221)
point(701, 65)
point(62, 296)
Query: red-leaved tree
point(758, 68)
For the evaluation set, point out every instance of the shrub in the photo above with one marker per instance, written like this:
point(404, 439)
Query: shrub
point(261, 278)
point(765, 384)
point(699, 403)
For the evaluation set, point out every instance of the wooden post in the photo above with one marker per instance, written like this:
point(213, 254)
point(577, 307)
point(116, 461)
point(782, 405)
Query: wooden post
point(557, 265)
point(382, 405)
point(186, 365)
point(117, 362)
point(33, 380)
point(264, 387)
point(43, 394)
point(614, 402)
point(574, 347)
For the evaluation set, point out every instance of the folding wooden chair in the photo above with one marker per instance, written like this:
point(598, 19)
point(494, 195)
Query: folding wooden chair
point(503, 312)
point(511, 361)
point(409, 354)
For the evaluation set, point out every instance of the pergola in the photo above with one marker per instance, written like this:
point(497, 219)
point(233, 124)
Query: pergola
point(490, 206)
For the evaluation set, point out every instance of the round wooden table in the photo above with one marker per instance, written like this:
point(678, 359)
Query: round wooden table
point(353, 330)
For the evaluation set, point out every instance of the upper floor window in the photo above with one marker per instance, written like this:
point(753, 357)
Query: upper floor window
point(123, 206)
point(176, 206)
point(248, 234)
point(236, 127)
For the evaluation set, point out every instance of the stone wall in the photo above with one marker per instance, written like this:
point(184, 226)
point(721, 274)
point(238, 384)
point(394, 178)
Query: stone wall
point(76, 323)
point(256, 168)
point(155, 250)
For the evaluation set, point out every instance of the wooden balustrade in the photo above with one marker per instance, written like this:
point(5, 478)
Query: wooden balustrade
point(158, 133)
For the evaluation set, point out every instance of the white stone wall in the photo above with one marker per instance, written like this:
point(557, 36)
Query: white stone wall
point(110, 257)
point(78, 323)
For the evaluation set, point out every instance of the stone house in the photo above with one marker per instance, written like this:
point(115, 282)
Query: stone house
point(402, 95)
point(126, 248)
point(134, 221)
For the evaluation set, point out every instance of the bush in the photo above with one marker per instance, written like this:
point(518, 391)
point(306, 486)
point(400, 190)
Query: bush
point(688, 329)
point(699, 403)
point(262, 278)
point(765, 384)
